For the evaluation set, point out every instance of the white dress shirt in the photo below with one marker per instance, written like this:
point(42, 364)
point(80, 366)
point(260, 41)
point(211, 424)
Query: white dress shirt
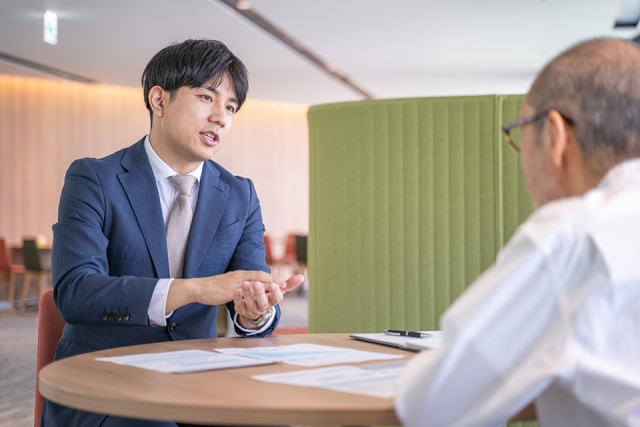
point(168, 193)
point(556, 318)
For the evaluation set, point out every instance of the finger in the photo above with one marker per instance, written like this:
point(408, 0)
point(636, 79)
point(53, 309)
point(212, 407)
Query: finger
point(238, 302)
point(274, 295)
point(255, 300)
point(261, 299)
point(292, 282)
point(247, 292)
point(263, 277)
point(241, 288)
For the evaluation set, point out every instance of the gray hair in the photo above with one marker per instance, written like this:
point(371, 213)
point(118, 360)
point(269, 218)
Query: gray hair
point(597, 85)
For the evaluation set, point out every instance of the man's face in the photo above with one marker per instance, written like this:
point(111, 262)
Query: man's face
point(194, 124)
point(539, 175)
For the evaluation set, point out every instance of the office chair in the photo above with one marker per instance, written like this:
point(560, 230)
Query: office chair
point(11, 270)
point(34, 269)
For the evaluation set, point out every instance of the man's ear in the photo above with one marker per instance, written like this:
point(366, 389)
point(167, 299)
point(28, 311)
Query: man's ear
point(158, 99)
point(561, 139)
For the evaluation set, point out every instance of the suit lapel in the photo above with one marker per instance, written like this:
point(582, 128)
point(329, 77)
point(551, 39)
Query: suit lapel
point(140, 185)
point(212, 201)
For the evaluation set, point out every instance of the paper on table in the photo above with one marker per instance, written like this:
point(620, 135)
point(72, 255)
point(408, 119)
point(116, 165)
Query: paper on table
point(405, 343)
point(348, 379)
point(309, 355)
point(184, 361)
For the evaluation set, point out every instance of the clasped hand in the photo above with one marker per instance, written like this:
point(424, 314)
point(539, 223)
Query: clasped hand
point(252, 292)
point(252, 299)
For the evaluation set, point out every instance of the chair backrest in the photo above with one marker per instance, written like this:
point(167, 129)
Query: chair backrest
point(31, 255)
point(50, 326)
point(268, 255)
point(5, 255)
point(290, 249)
point(301, 248)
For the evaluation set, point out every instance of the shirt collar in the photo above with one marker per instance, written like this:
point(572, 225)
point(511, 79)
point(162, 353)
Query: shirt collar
point(629, 169)
point(161, 170)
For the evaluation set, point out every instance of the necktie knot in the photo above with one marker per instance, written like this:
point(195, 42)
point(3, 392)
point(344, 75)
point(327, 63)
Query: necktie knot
point(184, 184)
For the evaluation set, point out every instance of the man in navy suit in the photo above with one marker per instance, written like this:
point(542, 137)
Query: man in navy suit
point(110, 258)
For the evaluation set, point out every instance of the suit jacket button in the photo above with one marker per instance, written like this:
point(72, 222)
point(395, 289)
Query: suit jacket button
point(112, 317)
point(173, 326)
point(126, 317)
point(104, 316)
point(118, 317)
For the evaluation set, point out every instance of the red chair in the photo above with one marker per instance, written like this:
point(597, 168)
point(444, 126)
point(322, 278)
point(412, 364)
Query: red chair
point(11, 270)
point(50, 326)
point(290, 255)
point(268, 259)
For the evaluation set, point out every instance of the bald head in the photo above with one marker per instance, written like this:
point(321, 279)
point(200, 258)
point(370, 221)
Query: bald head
point(597, 85)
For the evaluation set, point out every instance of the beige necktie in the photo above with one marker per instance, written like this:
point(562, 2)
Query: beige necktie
point(179, 223)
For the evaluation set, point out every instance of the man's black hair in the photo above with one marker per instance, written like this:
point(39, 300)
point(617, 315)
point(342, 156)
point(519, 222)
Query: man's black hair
point(194, 63)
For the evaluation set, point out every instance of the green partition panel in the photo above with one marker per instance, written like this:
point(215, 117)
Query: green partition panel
point(403, 200)
point(410, 200)
point(515, 202)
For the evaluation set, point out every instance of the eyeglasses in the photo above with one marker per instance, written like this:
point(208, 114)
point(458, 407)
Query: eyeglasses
point(514, 128)
point(512, 132)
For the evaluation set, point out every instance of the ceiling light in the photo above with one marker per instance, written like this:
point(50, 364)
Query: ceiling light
point(243, 5)
point(51, 27)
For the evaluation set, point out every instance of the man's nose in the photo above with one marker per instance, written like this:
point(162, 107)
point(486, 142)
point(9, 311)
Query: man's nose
point(218, 114)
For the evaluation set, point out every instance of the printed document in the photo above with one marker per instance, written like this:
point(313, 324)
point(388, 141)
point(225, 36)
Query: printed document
point(377, 382)
point(308, 355)
point(183, 361)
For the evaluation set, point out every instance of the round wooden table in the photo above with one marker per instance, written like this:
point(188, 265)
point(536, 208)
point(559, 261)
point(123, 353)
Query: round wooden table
point(216, 397)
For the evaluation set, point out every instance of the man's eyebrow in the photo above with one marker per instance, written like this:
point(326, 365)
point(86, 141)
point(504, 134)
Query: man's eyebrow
point(215, 90)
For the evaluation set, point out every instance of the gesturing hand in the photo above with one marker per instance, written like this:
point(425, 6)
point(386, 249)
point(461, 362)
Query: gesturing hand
point(215, 290)
point(253, 299)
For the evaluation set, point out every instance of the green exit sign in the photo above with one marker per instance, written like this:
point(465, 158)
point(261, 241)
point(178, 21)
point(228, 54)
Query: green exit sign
point(51, 27)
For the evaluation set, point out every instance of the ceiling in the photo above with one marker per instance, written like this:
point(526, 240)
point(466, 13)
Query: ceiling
point(392, 48)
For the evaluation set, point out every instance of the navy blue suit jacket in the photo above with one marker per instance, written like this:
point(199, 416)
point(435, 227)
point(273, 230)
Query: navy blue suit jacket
point(109, 250)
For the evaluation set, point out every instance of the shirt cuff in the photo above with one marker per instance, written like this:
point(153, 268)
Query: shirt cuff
point(158, 305)
point(250, 332)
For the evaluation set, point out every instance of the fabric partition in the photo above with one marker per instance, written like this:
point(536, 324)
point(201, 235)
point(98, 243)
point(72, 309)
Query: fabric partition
point(515, 202)
point(410, 200)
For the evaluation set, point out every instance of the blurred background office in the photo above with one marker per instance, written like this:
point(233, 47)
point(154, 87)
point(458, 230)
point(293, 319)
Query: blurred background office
point(78, 93)
point(346, 51)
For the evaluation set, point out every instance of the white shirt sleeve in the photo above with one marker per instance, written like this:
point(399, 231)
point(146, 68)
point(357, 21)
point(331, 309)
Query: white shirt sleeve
point(158, 305)
point(483, 369)
point(250, 332)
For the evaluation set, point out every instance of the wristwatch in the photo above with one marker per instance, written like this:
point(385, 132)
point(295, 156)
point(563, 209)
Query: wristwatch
point(263, 318)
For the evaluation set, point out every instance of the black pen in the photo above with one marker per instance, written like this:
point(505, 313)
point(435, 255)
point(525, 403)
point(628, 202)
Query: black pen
point(406, 333)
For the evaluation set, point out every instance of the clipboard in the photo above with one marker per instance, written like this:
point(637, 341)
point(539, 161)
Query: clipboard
point(403, 343)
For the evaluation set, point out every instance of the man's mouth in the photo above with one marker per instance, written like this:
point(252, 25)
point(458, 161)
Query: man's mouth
point(210, 138)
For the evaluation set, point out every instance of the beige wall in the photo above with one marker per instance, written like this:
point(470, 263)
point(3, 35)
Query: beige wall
point(46, 124)
point(269, 143)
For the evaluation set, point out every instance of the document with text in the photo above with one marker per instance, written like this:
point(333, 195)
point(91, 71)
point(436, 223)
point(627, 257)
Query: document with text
point(308, 355)
point(184, 361)
point(377, 382)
